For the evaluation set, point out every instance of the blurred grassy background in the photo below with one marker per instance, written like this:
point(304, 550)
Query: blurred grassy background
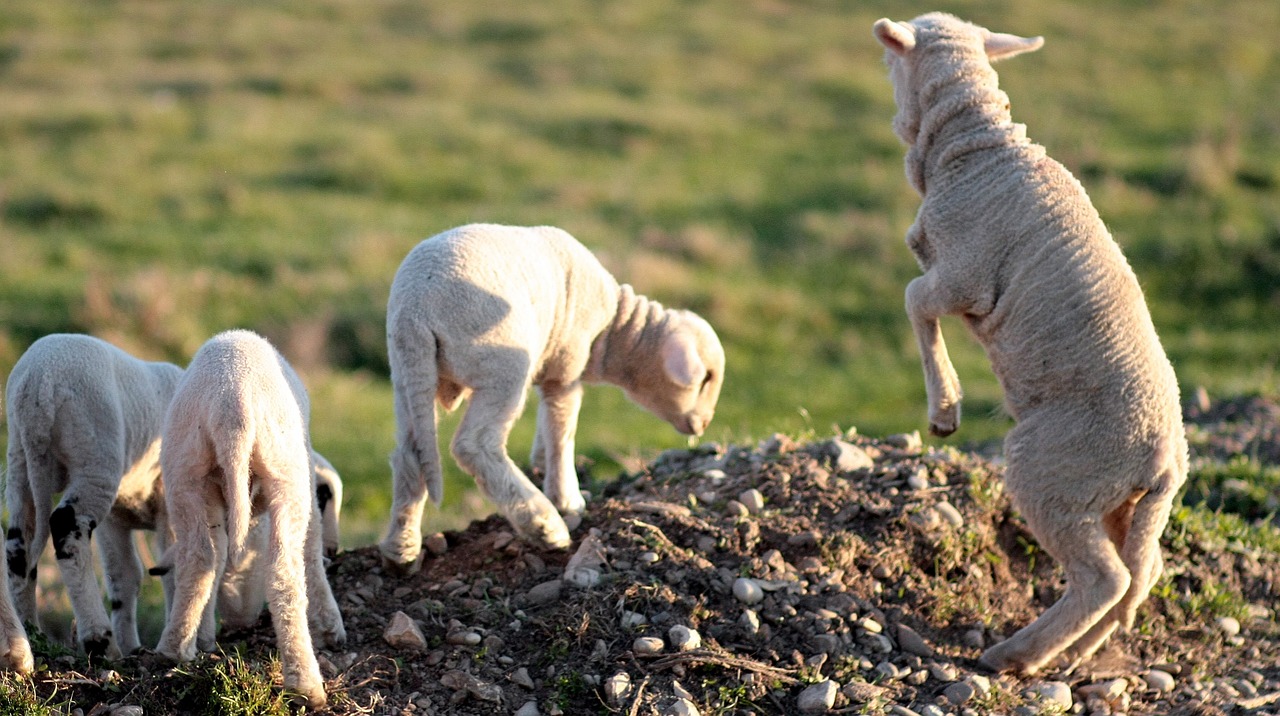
point(169, 170)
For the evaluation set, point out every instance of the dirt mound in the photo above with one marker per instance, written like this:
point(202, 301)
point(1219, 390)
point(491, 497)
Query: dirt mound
point(849, 574)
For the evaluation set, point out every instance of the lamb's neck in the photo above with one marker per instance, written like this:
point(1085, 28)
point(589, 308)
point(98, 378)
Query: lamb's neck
point(635, 330)
point(961, 117)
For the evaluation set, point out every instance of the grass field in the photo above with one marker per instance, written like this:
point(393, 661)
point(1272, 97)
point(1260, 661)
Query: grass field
point(169, 170)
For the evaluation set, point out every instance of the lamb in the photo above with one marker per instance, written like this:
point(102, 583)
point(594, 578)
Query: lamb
point(1008, 240)
point(235, 445)
point(84, 420)
point(484, 311)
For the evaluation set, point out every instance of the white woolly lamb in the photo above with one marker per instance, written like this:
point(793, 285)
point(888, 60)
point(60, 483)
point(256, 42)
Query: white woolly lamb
point(1009, 241)
point(485, 311)
point(84, 420)
point(236, 444)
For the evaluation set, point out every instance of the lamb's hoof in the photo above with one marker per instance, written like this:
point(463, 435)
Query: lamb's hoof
point(541, 525)
point(99, 647)
point(311, 699)
point(334, 638)
point(998, 660)
point(940, 431)
point(399, 562)
point(19, 658)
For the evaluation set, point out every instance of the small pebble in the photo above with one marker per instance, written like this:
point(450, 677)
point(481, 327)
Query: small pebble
point(1055, 692)
point(683, 638)
point(530, 708)
point(949, 513)
point(818, 698)
point(750, 620)
point(752, 499)
point(960, 693)
point(747, 591)
point(545, 593)
point(437, 544)
point(919, 479)
point(1229, 626)
point(521, 678)
point(1159, 681)
point(648, 645)
point(733, 508)
point(682, 707)
point(617, 688)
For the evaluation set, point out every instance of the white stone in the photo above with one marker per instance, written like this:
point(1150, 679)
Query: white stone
point(747, 591)
point(648, 645)
point(521, 677)
point(617, 688)
point(1055, 692)
point(919, 478)
point(1229, 626)
point(683, 638)
point(682, 707)
point(750, 620)
point(530, 708)
point(948, 512)
point(851, 458)
point(752, 499)
point(818, 698)
point(632, 620)
point(586, 565)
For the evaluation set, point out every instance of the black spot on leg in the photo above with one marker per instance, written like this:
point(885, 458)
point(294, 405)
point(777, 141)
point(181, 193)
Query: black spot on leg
point(116, 605)
point(32, 575)
point(324, 494)
point(17, 553)
point(158, 571)
point(62, 526)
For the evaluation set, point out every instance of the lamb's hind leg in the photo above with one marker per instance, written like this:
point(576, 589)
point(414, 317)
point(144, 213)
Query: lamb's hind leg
point(1135, 528)
point(480, 447)
point(71, 526)
point(1096, 581)
point(123, 572)
point(415, 462)
point(291, 510)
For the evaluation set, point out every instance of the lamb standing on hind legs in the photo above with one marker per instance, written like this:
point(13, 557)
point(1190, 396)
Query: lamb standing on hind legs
point(1008, 240)
point(485, 311)
point(236, 443)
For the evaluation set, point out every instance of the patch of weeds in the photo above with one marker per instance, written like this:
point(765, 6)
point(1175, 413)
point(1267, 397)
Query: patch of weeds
point(1213, 531)
point(841, 550)
point(46, 649)
point(568, 689)
point(998, 700)
point(729, 699)
point(1241, 486)
point(233, 686)
point(18, 697)
point(986, 489)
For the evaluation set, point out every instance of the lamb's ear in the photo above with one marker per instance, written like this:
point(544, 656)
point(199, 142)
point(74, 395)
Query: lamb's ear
point(1000, 45)
point(681, 362)
point(897, 37)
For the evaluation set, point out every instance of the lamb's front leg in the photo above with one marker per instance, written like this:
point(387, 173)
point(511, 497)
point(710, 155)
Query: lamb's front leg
point(553, 445)
point(927, 301)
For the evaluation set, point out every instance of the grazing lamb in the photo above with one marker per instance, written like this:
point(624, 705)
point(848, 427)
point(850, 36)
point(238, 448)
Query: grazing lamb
point(84, 420)
point(235, 445)
point(1008, 240)
point(485, 311)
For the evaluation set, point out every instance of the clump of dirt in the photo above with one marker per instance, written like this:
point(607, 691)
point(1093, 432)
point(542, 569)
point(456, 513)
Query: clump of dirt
point(851, 574)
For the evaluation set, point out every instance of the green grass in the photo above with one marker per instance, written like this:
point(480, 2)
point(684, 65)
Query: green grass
point(171, 170)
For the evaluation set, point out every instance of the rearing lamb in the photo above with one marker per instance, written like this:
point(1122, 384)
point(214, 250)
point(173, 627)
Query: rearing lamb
point(84, 420)
point(236, 444)
point(484, 311)
point(1008, 240)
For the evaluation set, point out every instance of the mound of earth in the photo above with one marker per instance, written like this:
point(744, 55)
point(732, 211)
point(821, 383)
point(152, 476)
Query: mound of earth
point(846, 575)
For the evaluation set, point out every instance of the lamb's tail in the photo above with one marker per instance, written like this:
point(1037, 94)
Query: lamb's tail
point(415, 462)
point(234, 451)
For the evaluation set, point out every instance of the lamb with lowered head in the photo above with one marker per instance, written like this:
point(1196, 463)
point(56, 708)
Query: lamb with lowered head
point(84, 420)
point(484, 312)
point(236, 444)
point(1008, 241)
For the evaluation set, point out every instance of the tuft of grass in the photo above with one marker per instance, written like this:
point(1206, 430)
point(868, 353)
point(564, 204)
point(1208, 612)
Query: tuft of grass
point(18, 697)
point(231, 685)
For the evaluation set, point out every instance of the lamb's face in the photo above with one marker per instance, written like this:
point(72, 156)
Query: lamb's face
point(682, 383)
